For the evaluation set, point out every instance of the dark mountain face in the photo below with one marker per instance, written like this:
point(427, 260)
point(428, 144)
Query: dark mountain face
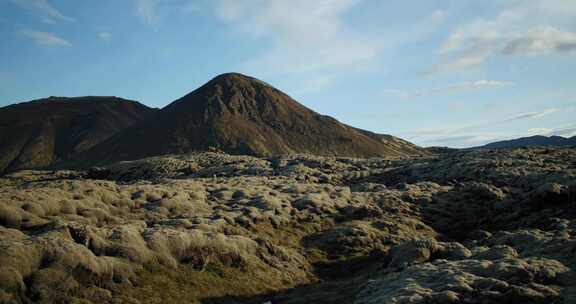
point(537, 140)
point(40, 133)
point(242, 115)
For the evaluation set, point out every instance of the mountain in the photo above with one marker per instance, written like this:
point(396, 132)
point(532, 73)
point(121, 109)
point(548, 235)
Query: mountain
point(395, 144)
point(239, 114)
point(437, 150)
point(39, 133)
point(537, 140)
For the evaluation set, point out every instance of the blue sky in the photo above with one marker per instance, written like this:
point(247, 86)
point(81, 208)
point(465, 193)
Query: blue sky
point(454, 73)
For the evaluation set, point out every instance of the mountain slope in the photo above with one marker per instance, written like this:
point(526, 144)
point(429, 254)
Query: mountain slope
point(243, 115)
point(537, 140)
point(40, 133)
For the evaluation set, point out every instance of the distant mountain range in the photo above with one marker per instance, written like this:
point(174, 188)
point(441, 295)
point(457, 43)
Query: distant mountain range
point(233, 113)
point(531, 141)
point(43, 132)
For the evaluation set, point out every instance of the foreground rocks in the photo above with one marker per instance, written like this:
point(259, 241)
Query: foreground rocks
point(466, 227)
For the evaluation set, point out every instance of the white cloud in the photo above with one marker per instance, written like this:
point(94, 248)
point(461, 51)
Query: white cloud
point(468, 140)
point(526, 28)
point(317, 83)
point(146, 10)
point(564, 131)
point(476, 134)
point(311, 44)
point(541, 40)
point(307, 36)
point(479, 138)
point(152, 12)
point(44, 9)
point(45, 38)
point(106, 36)
point(451, 89)
point(437, 17)
point(536, 114)
point(540, 131)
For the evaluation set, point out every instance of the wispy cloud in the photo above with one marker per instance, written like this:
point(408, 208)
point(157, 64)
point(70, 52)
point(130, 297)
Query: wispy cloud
point(479, 138)
point(106, 36)
point(152, 12)
point(540, 131)
point(307, 35)
point(475, 134)
point(520, 116)
point(535, 114)
point(541, 40)
point(450, 89)
point(518, 30)
point(317, 83)
point(565, 131)
point(305, 40)
point(146, 10)
point(482, 138)
point(468, 140)
point(44, 9)
point(45, 38)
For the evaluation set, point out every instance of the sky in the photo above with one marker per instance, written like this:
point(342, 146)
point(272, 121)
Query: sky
point(455, 73)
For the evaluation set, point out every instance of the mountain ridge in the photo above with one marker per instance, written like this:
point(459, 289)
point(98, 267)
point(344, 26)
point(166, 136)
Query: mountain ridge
point(239, 114)
point(42, 132)
point(531, 141)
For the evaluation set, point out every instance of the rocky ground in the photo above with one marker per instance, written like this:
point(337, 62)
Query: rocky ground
point(463, 227)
